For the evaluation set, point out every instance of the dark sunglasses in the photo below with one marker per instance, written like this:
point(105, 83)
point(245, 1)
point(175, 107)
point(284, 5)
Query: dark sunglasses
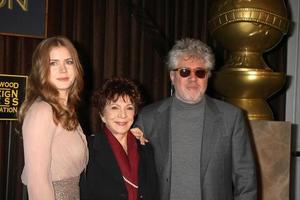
point(185, 72)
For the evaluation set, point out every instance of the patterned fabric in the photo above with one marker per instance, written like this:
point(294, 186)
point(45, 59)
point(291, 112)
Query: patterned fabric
point(67, 189)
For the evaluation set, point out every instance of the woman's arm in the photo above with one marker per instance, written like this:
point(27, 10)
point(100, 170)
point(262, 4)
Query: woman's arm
point(138, 134)
point(38, 130)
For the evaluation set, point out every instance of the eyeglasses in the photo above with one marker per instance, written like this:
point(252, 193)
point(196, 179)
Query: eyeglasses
point(185, 72)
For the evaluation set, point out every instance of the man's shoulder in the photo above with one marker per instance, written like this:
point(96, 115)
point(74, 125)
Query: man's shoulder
point(153, 107)
point(225, 110)
point(222, 105)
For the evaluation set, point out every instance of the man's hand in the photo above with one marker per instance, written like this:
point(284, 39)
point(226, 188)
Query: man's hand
point(138, 134)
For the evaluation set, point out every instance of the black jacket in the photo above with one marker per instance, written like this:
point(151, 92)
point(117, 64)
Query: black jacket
point(102, 179)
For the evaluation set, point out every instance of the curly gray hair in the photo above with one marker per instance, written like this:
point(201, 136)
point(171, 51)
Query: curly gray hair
point(193, 48)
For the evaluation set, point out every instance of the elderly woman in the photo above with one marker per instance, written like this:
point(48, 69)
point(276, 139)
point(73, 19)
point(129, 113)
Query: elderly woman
point(119, 167)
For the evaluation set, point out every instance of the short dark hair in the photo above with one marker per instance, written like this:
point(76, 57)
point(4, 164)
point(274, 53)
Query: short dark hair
point(114, 88)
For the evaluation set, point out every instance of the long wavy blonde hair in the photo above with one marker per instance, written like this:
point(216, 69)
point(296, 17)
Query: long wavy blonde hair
point(40, 87)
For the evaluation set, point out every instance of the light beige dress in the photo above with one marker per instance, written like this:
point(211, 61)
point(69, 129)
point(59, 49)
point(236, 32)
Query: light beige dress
point(54, 157)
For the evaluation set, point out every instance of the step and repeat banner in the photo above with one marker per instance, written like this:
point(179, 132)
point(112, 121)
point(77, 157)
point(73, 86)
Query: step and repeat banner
point(25, 18)
point(12, 95)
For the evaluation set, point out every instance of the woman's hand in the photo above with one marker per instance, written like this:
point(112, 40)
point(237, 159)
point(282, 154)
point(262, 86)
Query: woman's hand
point(138, 134)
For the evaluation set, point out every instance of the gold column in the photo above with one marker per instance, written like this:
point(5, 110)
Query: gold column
point(247, 29)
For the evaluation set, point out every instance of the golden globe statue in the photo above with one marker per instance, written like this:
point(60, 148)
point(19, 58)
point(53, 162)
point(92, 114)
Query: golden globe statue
point(248, 28)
